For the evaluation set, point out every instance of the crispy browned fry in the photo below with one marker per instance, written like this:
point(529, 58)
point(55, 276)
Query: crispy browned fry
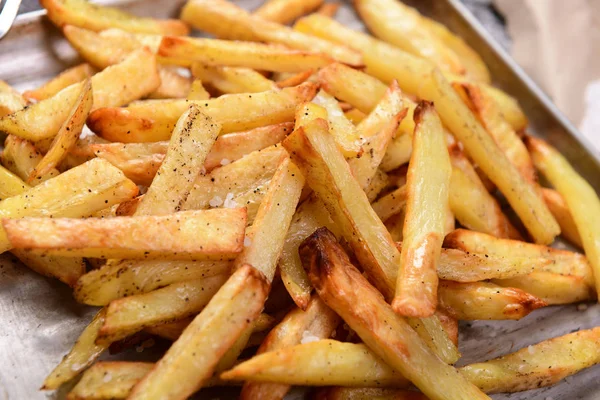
point(481, 300)
point(79, 192)
point(558, 208)
point(131, 314)
point(199, 235)
point(234, 80)
point(146, 122)
point(342, 393)
point(190, 361)
point(10, 100)
point(229, 21)
point(67, 135)
point(81, 13)
point(214, 52)
point(347, 292)
point(316, 322)
point(428, 182)
point(539, 365)
point(82, 355)
point(286, 11)
point(21, 157)
point(66, 78)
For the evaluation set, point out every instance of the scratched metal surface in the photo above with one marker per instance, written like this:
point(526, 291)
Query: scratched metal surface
point(40, 320)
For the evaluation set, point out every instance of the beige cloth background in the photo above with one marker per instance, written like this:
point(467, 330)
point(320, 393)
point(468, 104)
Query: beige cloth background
point(557, 42)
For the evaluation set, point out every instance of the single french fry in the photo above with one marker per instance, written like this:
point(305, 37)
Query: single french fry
point(121, 278)
point(286, 11)
point(347, 292)
point(197, 91)
point(236, 112)
point(11, 184)
point(428, 182)
point(66, 78)
point(215, 52)
point(226, 20)
point(558, 207)
point(82, 355)
point(67, 135)
point(315, 323)
point(195, 235)
point(10, 100)
point(481, 300)
point(581, 199)
point(411, 35)
point(131, 314)
point(190, 361)
point(76, 193)
point(539, 365)
point(233, 80)
point(21, 157)
point(97, 18)
point(276, 209)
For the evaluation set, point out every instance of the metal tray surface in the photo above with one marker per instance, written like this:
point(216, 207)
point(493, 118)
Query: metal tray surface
point(40, 320)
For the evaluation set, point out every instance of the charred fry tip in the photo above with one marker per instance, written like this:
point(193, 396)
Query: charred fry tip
point(422, 107)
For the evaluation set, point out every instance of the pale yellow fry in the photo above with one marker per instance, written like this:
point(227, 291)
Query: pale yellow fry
point(580, 197)
point(66, 269)
point(173, 85)
point(286, 11)
point(276, 209)
point(190, 361)
point(391, 204)
point(232, 79)
point(558, 207)
point(197, 91)
point(215, 52)
point(82, 355)
point(190, 235)
point(66, 78)
point(10, 100)
point(97, 18)
point(11, 184)
point(21, 157)
point(226, 20)
point(378, 183)
point(428, 182)
point(67, 135)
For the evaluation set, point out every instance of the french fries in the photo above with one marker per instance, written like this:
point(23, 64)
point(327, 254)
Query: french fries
point(10, 100)
point(191, 235)
point(70, 76)
point(347, 292)
point(558, 208)
point(286, 11)
point(21, 157)
point(427, 188)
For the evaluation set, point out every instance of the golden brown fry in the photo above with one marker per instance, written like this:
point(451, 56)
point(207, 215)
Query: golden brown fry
point(214, 52)
point(97, 18)
point(21, 157)
point(67, 135)
point(286, 11)
point(146, 122)
point(226, 20)
point(316, 322)
point(190, 235)
point(82, 355)
point(66, 78)
point(428, 182)
point(10, 100)
point(347, 292)
point(234, 80)
point(558, 208)
point(190, 361)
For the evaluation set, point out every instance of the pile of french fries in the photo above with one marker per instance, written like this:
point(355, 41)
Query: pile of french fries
point(291, 205)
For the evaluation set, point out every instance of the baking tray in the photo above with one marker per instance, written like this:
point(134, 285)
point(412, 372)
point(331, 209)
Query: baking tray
point(40, 320)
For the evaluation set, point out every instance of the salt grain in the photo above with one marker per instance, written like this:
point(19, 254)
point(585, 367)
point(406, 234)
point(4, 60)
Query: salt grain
point(76, 366)
point(229, 202)
point(215, 201)
point(308, 338)
point(225, 161)
point(247, 241)
point(531, 349)
point(107, 377)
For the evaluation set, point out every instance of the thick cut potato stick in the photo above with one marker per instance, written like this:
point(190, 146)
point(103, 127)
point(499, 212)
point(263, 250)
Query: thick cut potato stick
point(193, 137)
point(82, 355)
point(11, 184)
point(97, 18)
point(123, 278)
point(131, 314)
point(289, 364)
point(558, 207)
point(580, 197)
point(190, 361)
point(234, 80)
point(235, 112)
point(317, 322)
point(77, 193)
point(276, 209)
point(286, 11)
point(428, 182)
point(191, 235)
point(215, 52)
point(227, 20)
point(21, 157)
point(347, 292)
point(66, 78)
point(481, 300)
point(67, 135)
point(539, 365)
point(10, 100)
point(402, 26)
